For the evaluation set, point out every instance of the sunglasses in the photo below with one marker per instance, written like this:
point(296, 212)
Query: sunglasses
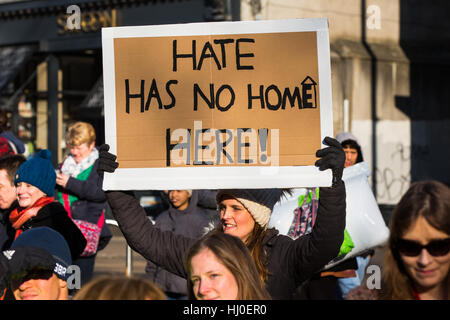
point(436, 248)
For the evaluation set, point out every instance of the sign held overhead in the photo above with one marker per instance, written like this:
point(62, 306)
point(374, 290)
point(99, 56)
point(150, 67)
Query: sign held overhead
point(217, 105)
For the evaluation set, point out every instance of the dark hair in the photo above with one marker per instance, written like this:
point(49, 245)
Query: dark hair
point(233, 255)
point(352, 144)
point(3, 120)
point(428, 199)
point(10, 164)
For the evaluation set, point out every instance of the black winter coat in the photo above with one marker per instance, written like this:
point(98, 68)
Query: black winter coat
point(54, 216)
point(91, 201)
point(7, 232)
point(290, 262)
point(193, 222)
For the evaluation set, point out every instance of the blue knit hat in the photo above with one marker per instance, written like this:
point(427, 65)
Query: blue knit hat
point(39, 172)
point(52, 242)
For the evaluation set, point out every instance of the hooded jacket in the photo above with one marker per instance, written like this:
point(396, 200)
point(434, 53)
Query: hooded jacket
point(193, 222)
point(290, 262)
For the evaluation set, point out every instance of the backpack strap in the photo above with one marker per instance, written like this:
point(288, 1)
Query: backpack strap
point(101, 220)
point(65, 197)
point(66, 203)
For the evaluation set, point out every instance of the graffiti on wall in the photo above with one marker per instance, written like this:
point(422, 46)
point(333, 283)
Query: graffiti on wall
point(393, 175)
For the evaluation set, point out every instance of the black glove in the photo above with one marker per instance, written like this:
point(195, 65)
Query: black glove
point(107, 161)
point(332, 157)
point(19, 261)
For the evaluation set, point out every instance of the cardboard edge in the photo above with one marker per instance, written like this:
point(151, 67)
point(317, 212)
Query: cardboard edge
point(216, 178)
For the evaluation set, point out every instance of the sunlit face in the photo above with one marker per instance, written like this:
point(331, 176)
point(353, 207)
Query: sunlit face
point(212, 280)
point(28, 194)
point(235, 219)
point(179, 199)
point(350, 156)
point(7, 191)
point(426, 270)
point(41, 286)
point(79, 153)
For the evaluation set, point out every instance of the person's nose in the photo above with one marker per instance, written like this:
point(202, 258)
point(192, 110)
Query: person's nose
point(19, 190)
point(74, 151)
point(348, 156)
point(26, 284)
point(226, 213)
point(203, 288)
point(424, 258)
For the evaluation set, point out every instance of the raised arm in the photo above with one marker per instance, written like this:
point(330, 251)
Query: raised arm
point(165, 249)
point(313, 251)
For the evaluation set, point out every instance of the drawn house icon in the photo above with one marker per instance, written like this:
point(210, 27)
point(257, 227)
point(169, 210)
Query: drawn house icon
point(309, 93)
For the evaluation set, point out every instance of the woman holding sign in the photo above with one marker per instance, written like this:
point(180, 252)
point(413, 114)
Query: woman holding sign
point(282, 263)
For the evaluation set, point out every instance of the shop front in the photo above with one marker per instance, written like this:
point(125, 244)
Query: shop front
point(51, 59)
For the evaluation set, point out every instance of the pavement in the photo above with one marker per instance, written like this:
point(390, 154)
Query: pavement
point(112, 259)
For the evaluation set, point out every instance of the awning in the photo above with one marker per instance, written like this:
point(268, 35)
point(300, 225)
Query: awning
point(12, 59)
point(95, 97)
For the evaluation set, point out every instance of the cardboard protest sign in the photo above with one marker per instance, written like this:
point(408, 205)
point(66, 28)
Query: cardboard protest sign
point(217, 105)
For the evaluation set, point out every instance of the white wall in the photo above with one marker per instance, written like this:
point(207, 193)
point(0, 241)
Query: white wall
point(393, 174)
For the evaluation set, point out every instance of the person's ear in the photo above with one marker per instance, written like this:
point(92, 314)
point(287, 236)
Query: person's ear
point(62, 283)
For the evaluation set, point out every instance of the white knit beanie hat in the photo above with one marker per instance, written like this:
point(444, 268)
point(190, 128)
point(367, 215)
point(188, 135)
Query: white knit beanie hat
point(259, 202)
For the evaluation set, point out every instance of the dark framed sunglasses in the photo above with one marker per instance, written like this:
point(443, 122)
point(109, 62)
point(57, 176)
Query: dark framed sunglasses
point(436, 248)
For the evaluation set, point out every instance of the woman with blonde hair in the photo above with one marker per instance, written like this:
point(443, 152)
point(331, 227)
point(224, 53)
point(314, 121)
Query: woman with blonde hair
point(119, 288)
point(417, 261)
point(220, 267)
point(80, 190)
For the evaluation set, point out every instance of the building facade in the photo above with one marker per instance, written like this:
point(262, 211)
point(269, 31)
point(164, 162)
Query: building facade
point(51, 59)
point(389, 63)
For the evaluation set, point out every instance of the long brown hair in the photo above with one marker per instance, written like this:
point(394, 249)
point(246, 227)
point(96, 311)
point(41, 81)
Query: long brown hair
point(255, 244)
point(119, 288)
point(428, 199)
point(255, 241)
point(233, 255)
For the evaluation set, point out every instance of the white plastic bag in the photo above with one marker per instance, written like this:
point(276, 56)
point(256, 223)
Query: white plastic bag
point(364, 221)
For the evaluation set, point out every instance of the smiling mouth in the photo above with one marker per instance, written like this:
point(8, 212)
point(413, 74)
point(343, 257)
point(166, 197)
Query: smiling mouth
point(426, 272)
point(228, 226)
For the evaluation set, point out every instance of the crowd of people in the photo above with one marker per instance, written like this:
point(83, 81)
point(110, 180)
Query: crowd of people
point(52, 224)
